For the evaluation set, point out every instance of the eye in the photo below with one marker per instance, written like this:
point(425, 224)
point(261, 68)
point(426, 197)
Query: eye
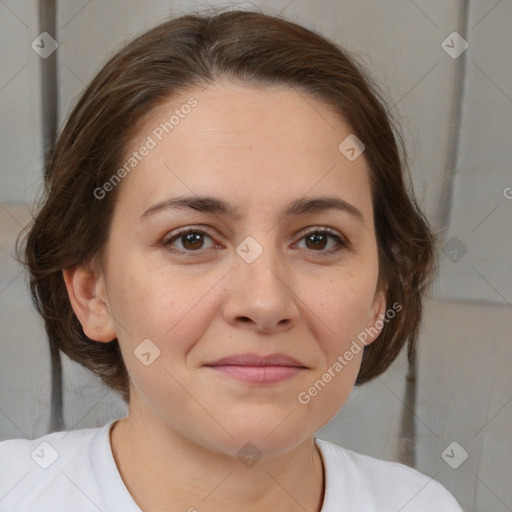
point(317, 240)
point(191, 239)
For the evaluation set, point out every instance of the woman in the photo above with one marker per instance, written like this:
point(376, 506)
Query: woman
point(228, 241)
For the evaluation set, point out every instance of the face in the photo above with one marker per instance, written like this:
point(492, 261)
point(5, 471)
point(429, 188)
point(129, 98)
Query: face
point(216, 290)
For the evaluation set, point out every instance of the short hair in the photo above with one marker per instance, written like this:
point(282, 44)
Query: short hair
point(71, 225)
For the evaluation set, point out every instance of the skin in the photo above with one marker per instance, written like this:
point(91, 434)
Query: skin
point(258, 149)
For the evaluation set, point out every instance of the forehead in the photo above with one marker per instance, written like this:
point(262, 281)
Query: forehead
point(247, 144)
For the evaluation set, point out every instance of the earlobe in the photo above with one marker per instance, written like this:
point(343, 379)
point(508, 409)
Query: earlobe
point(86, 291)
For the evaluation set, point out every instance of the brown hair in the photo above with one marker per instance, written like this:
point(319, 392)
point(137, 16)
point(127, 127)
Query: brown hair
point(71, 226)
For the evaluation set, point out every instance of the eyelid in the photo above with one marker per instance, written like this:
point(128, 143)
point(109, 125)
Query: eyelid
point(176, 234)
point(323, 229)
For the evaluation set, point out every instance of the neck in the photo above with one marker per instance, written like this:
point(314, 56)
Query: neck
point(164, 470)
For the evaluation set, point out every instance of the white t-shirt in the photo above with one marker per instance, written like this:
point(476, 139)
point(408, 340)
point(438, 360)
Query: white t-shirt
point(75, 471)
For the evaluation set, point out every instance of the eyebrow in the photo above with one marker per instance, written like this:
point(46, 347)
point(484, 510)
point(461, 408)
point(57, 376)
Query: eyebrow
point(209, 204)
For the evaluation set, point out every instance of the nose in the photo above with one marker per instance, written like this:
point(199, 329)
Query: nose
point(262, 295)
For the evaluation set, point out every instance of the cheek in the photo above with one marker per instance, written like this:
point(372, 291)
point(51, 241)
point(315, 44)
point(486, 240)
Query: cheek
point(173, 312)
point(344, 308)
point(327, 390)
point(152, 303)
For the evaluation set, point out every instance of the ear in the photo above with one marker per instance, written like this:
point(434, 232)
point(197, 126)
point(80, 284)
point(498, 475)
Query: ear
point(375, 318)
point(87, 294)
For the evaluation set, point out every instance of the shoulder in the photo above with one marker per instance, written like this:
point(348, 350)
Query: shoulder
point(68, 438)
point(44, 451)
point(375, 484)
point(38, 471)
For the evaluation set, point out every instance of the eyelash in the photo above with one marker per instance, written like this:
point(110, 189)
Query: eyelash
point(341, 242)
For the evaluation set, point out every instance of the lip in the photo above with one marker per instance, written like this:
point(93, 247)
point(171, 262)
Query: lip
point(258, 369)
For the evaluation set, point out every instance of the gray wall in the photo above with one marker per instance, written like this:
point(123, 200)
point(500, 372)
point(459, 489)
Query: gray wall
point(457, 117)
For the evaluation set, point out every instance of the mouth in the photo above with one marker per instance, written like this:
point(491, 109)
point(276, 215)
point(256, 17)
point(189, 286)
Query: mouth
point(258, 369)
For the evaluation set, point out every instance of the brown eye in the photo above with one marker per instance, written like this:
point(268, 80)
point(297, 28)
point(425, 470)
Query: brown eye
point(318, 240)
point(191, 240)
point(323, 241)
